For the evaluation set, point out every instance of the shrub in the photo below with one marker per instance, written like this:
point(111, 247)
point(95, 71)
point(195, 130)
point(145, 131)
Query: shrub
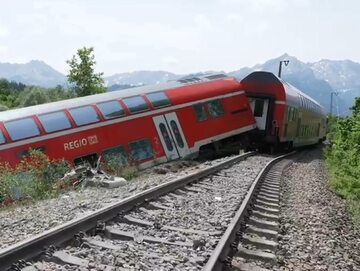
point(116, 165)
point(35, 177)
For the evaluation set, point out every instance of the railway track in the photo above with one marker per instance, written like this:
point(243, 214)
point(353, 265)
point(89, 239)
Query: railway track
point(175, 225)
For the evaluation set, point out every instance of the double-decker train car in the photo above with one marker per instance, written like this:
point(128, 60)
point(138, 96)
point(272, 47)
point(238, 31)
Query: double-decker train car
point(178, 119)
point(285, 116)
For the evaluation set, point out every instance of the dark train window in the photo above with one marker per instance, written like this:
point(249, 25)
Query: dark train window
point(158, 99)
point(141, 149)
point(116, 154)
point(22, 128)
point(84, 115)
point(177, 134)
point(259, 107)
point(2, 138)
point(166, 137)
point(55, 121)
point(136, 104)
point(200, 112)
point(111, 109)
point(215, 108)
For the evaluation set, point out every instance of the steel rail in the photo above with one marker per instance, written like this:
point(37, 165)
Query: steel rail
point(32, 247)
point(221, 251)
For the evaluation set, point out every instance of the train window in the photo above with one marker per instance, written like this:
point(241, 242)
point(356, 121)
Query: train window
point(177, 134)
point(166, 136)
point(2, 138)
point(84, 115)
point(215, 108)
point(200, 112)
point(135, 104)
point(259, 107)
point(111, 109)
point(116, 155)
point(158, 99)
point(141, 149)
point(55, 121)
point(22, 128)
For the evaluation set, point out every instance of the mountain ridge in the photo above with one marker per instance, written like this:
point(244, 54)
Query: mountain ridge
point(316, 79)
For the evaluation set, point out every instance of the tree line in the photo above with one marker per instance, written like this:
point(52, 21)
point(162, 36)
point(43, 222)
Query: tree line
point(343, 158)
point(82, 78)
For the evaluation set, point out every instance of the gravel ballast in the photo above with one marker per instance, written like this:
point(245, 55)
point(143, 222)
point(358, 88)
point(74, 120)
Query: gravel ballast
point(21, 222)
point(316, 230)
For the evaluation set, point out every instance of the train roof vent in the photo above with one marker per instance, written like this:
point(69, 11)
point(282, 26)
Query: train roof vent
point(216, 76)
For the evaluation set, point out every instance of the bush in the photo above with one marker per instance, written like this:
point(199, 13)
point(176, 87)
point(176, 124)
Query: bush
point(35, 177)
point(343, 158)
point(118, 166)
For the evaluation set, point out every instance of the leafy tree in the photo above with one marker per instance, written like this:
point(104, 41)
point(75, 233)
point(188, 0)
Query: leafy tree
point(82, 74)
point(33, 96)
point(58, 93)
point(3, 107)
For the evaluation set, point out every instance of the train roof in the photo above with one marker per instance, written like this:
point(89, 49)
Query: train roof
point(271, 84)
point(113, 95)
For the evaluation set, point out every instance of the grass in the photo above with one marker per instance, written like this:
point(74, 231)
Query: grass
point(344, 181)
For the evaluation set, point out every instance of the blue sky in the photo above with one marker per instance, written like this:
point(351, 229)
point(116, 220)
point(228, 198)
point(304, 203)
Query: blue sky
point(180, 36)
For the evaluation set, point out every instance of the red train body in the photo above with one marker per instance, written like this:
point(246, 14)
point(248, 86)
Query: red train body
point(144, 124)
point(285, 116)
point(164, 122)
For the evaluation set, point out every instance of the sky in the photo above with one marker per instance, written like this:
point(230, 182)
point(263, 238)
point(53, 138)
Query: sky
point(180, 36)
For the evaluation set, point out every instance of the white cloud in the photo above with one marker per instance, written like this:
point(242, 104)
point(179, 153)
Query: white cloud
point(202, 21)
point(4, 31)
point(233, 17)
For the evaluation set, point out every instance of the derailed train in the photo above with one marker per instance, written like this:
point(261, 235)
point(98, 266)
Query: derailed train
point(179, 119)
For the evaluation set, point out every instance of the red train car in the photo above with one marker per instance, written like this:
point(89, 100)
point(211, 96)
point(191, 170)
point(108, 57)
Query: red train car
point(145, 124)
point(285, 116)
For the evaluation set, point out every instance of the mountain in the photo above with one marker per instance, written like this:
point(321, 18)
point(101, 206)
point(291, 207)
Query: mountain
point(35, 72)
point(139, 78)
point(316, 79)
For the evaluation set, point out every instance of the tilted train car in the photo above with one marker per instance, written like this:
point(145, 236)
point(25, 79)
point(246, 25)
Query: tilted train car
point(285, 116)
point(143, 124)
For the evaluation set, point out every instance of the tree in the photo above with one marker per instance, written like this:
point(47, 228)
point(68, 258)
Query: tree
point(32, 96)
point(82, 75)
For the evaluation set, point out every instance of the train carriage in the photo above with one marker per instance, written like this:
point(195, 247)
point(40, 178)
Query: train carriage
point(178, 119)
point(285, 116)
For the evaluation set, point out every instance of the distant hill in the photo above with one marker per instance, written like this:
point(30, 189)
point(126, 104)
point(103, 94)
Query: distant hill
point(316, 79)
point(35, 72)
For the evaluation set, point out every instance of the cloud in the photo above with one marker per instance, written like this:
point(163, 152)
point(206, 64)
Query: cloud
point(4, 31)
point(233, 17)
point(170, 60)
point(202, 21)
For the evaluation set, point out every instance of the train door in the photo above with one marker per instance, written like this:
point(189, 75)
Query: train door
point(171, 135)
point(260, 109)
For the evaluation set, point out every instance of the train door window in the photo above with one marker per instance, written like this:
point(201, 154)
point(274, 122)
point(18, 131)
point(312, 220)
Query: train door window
point(111, 109)
point(84, 115)
point(176, 132)
point(2, 138)
point(141, 149)
point(215, 108)
point(22, 128)
point(55, 121)
point(258, 108)
point(116, 155)
point(200, 112)
point(136, 104)
point(166, 136)
point(158, 99)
